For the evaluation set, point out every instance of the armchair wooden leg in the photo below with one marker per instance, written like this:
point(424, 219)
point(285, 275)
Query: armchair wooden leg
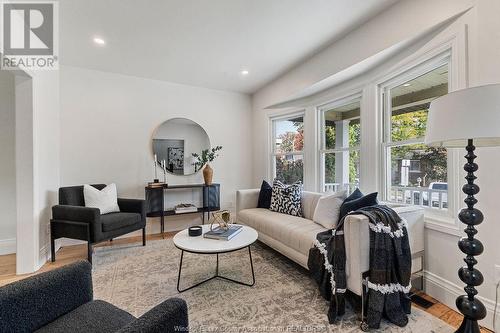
point(89, 251)
point(144, 236)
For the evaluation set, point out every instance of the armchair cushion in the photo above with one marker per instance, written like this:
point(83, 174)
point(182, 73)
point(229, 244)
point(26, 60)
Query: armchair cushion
point(96, 316)
point(106, 199)
point(31, 303)
point(114, 221)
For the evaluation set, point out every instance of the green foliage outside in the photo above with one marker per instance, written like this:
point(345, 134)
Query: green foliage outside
point(354, 140)
point(433, 161)
point(411, 125)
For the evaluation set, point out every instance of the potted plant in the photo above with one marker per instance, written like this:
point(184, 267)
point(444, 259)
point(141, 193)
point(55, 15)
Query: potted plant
point(203, 159)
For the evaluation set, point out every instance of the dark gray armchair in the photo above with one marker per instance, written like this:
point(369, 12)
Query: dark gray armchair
point(62, 301)
point(71, 219)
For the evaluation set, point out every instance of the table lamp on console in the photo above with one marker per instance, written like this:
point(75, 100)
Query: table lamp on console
point(467, 118)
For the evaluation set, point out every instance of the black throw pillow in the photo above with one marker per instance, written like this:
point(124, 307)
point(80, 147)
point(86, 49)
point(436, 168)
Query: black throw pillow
point(265, 194)
point(356, 201)
point(354, 195)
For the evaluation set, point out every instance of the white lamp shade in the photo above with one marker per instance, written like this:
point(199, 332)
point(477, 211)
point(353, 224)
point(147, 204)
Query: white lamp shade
point(472, 113)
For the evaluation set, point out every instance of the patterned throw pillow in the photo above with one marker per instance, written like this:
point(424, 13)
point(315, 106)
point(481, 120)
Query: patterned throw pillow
point(287, 199)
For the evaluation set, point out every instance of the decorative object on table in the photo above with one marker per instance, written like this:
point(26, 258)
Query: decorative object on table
point(203, 159)
point(156, 182)
point(195, 231)
point(185, 208)
point(287, 199)
point(222, 218)
point(155, 170)
point(164, 168)
point(223, 234)
point(467, 118)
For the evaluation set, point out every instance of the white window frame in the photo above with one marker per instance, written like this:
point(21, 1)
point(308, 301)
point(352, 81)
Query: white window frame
point(443, 218)
point(272, 148)
point(321, 132)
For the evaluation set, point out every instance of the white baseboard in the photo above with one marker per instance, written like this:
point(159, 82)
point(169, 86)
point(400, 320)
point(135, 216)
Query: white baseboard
point(446, 292)
point(7, 246)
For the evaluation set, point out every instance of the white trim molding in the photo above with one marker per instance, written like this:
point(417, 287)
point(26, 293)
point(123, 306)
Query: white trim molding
point(446, 292)
point(7, 246)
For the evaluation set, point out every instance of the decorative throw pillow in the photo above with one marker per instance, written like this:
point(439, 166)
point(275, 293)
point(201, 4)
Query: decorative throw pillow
point(356, 201)
point(287, 199)
point(328, 209)
point(106, 199)
point(265, 194)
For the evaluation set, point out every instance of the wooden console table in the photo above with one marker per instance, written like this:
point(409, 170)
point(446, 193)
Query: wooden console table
point(155, 198)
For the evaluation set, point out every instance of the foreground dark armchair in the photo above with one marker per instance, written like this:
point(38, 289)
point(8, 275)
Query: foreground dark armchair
point(71, 219)
point(62, 301)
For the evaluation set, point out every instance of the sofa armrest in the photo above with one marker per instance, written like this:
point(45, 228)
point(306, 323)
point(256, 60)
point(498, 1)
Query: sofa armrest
point(169, 316)
point(357, 242)
point(76, 213)
point(31, 303)
point(132, 206)
point(246, 199)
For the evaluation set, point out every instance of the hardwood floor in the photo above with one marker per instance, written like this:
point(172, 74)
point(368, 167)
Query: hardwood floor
point(70, 254)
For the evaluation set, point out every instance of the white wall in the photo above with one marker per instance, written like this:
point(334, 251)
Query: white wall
point(37, 164)
point(411, 18)
point(7, 164)
point(107, 122)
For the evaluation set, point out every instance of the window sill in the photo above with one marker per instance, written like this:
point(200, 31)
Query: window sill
point(444, 224)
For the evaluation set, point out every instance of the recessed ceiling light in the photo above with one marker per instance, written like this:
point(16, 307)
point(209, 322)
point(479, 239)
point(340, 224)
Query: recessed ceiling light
point(244, 72)
point(406, 84)
point(99, 41)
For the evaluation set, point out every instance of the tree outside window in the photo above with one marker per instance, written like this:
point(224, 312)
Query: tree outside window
point(287, 155)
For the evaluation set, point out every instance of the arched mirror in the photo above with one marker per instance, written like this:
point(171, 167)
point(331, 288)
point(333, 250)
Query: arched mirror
point(174, 142)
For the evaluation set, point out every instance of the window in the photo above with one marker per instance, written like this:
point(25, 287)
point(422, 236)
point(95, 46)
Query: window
point(340, 141)
point(287, 150)
point(414, 173)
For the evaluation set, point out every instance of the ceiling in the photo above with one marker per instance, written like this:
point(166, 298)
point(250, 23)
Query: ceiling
point(205, 43)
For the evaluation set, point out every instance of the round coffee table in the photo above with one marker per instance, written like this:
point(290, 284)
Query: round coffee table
point(201, 245)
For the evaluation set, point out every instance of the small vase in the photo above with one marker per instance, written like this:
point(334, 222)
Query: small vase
point(208, 174)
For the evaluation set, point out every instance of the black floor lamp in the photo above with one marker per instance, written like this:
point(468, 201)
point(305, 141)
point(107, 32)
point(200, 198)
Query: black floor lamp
point(467, 118)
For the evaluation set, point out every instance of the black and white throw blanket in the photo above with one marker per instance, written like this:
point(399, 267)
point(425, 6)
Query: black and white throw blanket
point(390, 267)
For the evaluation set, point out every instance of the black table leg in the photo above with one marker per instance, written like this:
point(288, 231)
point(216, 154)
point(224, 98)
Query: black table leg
point(216, 273)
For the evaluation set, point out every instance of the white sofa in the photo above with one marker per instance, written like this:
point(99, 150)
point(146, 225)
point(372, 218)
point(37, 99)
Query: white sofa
point(294, 236)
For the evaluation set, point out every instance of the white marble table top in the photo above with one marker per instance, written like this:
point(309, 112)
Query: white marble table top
point(199, 244)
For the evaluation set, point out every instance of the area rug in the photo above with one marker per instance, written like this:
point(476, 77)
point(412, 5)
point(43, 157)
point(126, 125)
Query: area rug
point(283, 299)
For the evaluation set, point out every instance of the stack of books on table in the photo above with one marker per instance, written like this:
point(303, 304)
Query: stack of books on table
point(185, 208)
point(221, 234)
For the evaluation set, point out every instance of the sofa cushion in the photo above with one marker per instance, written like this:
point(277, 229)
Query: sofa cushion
point(265, 193)
point(113, 221)
point(309, 203)
point(287, 199)
point(295, 232)
point(95, 316)
point(328, 209)
point(350, 204)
